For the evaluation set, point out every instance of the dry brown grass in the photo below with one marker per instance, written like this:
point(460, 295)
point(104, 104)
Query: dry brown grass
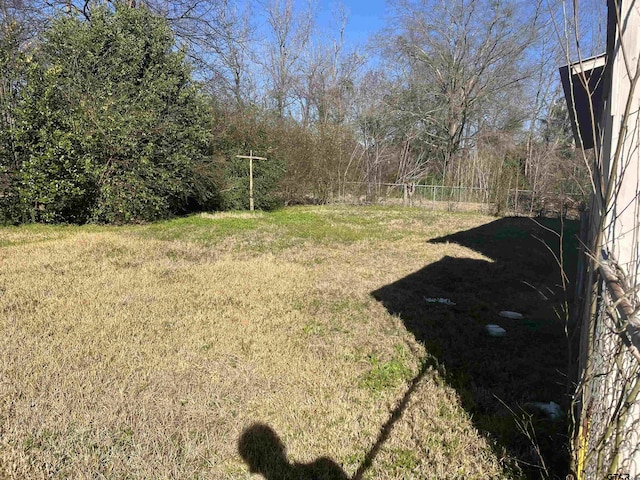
point(125, 356)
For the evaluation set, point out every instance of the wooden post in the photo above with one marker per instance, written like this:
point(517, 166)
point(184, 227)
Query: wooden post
point(251, 159)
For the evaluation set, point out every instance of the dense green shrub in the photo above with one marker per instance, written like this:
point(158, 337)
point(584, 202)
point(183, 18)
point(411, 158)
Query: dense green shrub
point(113, 128)
point(238, 133)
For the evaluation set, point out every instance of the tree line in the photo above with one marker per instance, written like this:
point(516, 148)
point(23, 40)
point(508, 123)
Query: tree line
point(134, 110)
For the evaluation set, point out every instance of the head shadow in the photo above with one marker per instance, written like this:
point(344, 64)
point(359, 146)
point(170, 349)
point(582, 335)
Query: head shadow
point(264, 452)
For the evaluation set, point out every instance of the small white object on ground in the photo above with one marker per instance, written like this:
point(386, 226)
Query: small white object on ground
point(495, 330)
point(509, 314)
point(444, 301)
point(551, 409)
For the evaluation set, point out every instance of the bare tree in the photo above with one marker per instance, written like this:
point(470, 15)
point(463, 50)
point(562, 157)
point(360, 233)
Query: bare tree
point(328, 75)
point(289, 35)
point(458, 57)
point(232, 55)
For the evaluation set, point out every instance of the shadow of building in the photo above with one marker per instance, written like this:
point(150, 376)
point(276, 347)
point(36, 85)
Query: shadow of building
point(498, 377)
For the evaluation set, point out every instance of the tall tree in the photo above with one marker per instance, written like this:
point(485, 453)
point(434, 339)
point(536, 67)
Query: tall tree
point(457, 57)
point(289, 34)
point(13, 63)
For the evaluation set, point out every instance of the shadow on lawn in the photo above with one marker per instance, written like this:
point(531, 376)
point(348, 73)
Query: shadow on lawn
point(529, 364)
point(264, 453)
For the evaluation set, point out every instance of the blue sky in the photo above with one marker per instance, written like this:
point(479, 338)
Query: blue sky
point(365, 18)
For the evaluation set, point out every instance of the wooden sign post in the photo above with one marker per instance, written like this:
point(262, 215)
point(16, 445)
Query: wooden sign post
point(251, 159)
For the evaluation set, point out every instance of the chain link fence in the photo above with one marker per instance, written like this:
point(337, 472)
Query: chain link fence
point(460, 198)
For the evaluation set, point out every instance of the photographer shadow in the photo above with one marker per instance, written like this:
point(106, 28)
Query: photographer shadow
point(264, 453)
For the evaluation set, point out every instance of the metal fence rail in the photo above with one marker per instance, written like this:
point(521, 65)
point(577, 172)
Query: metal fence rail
point(513, 201)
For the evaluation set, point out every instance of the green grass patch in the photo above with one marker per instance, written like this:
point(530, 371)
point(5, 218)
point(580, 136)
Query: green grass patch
point(403, 460)
point(386, 375)
point(198, 228)
point(315, 328)
point(259, 231)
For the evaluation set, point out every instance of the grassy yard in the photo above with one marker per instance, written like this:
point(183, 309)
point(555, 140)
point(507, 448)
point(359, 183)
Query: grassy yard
point(203, 346)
